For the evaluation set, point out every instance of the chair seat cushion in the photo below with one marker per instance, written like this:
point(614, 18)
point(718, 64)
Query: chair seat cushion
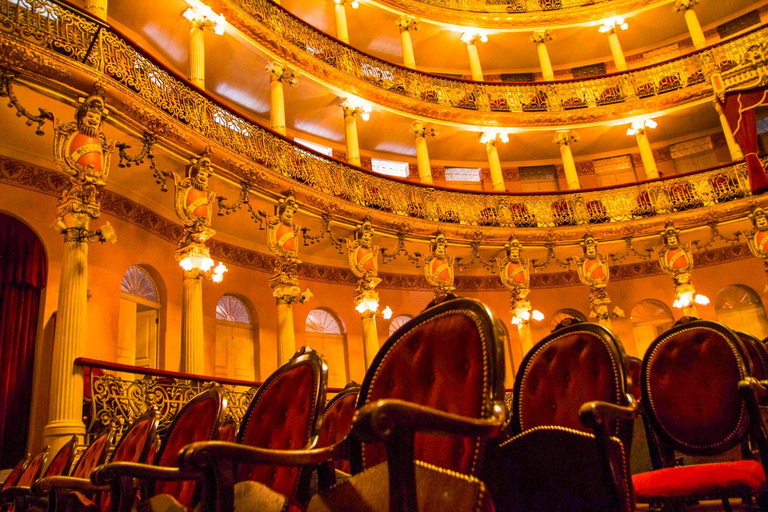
point(436, 490)
point(700, 479)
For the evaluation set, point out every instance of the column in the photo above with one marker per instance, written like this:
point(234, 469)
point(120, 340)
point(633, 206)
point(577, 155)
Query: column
point(491, 139)
point(526, 339)
point(406, 24)
point(286, 337)
point(564, 138)
point(192, 333)
point(540, 38)
point(65, 410)
point(610, 27)
point(471, 39)
point(352, 110)
point(694, 27)
point(370, 337)
point(277, 76)
point(646, 154)
point(422, 154)
point(733, 146)
point(196, 71)
point(342, 33)
point(98, 8)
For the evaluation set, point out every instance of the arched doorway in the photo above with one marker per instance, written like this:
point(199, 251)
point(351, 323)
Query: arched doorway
point(139, 319)
point(23, 275)
point(740, 308)
point(236, 349)
point(562, 314)
point(650, 318)
point(398, 322)
point(325, 333)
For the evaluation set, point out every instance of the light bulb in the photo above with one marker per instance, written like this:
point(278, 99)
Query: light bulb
point(701, 299)
point(387, 313)
point(537, 315)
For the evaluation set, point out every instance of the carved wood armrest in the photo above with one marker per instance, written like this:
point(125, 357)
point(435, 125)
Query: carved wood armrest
point(380, 420)
point(11, 494)
point(594, 414)
point(208, 453)
point(109, 473)
point(65, 483)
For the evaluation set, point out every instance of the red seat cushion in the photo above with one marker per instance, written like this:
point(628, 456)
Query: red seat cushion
point(699, 479)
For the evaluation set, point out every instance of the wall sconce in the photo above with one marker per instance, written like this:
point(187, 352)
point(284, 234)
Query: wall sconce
point(357, 107)
point(524, 315)
point(200, 264)
point(370, 306)
point(494, 136)
point(354, 3)
point(473, 37)
point(685, 299)
point(610, 25)
point(641, 125)
point(201, 14)
point(105, 233)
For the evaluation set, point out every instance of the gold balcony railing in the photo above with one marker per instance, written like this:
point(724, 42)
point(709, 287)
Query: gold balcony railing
point(48, 26)
point(510, 6)
point(498, 97)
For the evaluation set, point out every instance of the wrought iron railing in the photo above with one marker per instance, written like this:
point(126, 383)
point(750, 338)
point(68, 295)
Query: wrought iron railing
point(500, 97)
point(49, 26)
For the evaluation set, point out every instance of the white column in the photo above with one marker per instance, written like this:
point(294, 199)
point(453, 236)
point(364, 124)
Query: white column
point(196, 72)
point(351, 111)
point(65, 410)
point(286, 337)
point(422, 154)
point(97, 7)
point(564, 139)
point(733, 146)
point(646, 154)
point(471, 39)
point(616, 51)
point(497, 178)
point(694, 27)
point(370, 337)
point(342, 33)
point(526, 339)
point(540, 38)
point(406, 24)
point(277, 76)
point(192, 332)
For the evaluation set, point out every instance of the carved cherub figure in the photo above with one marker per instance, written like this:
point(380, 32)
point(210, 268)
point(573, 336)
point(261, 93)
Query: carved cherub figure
point(283, 233)
point(438, 266)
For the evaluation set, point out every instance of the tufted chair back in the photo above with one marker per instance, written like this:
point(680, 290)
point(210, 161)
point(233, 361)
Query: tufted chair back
point(228, 430)
point(15, 473)
point(62, 461)
point(32, 470)
point(337, 421)
point(285, 414)
point(450, 357)
point(635, 366)
point(690, 385)
point(576, 364)
point(94, 455)
point(198, 420)
point(758, 355)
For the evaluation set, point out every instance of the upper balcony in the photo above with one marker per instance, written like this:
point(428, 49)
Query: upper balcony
point(568, 103)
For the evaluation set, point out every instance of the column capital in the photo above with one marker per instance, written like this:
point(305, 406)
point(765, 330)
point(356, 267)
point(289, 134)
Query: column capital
point(202, 17)
point(406, 23)
point(541, 37)
point(278, 73)
point(566, 137)
point(356, 109)
point(472, 38)
point(419, 130)
point(612, 25)
point(684, 5)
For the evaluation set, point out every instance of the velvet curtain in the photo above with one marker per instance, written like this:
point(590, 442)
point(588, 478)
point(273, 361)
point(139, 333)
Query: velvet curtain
point(739, 108)
point(22, 278)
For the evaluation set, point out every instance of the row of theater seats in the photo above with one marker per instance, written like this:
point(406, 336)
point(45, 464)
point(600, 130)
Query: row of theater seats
point(429, 430)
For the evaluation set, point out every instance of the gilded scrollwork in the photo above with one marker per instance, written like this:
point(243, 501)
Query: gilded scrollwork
point(438, 266)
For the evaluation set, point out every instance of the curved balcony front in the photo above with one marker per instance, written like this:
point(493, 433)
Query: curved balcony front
point(670, 85)
point(38, 38)
point(517, 14)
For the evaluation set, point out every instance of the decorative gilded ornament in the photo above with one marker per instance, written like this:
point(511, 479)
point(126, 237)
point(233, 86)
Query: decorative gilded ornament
point(594, 272)
point(757, 238)
point(438, 266)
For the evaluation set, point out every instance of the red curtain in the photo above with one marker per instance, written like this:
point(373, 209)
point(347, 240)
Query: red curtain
point(739, 109)
point(22, 278)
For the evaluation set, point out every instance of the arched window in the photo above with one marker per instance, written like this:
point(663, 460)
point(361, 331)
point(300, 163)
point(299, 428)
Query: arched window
point(325, 333)
point(398, 322)
point(740, 308)
point(236, 350)
point(650, 318)
point(137, 326)
point(562, 314)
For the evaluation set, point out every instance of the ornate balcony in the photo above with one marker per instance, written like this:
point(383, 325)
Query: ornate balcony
point(681, 81)
point(46, 40)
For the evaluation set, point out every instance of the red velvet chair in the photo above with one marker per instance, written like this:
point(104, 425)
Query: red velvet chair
point(54, 487)
point(337, 423)
point(700, 400)
point(571, 427)
point(757, 353)
point(15, 473)
point(77, 492)
point(13, 496)
point(282, 420)
point(432, 396)
point(199, 419)
point(228, 430)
